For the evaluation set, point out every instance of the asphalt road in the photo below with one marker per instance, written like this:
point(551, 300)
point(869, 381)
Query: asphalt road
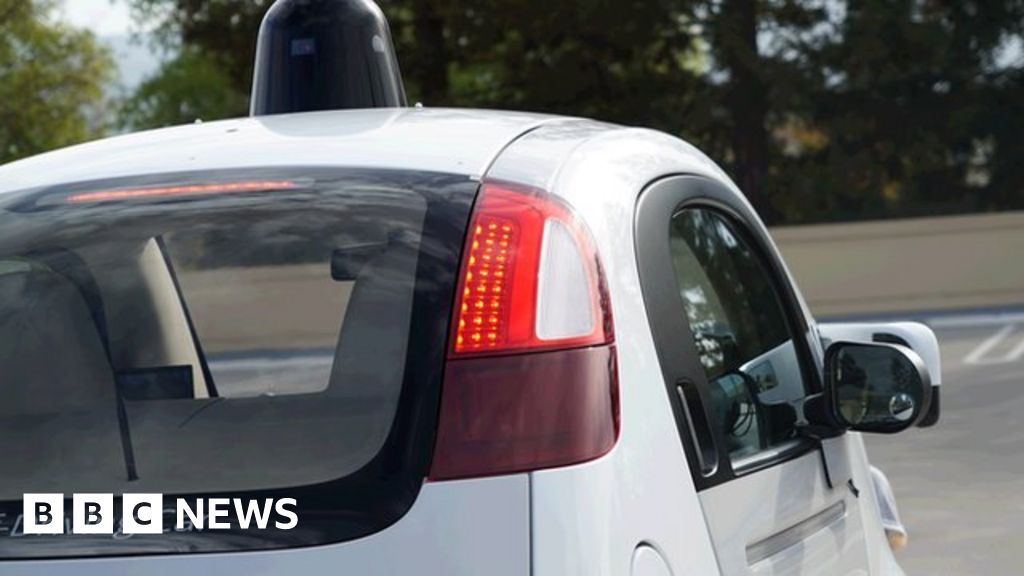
point(960, 484)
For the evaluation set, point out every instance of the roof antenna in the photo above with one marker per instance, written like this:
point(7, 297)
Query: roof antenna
point(325, 55)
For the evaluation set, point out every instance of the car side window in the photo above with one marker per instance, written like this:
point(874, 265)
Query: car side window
point(740, 331)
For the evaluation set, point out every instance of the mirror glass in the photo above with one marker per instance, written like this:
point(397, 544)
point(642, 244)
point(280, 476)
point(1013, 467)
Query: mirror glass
point(876, 386)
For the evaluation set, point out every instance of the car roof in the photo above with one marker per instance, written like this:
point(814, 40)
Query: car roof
point(454, 141)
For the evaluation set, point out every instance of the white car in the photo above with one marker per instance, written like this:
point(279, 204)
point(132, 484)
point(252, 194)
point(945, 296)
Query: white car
point(464, 342)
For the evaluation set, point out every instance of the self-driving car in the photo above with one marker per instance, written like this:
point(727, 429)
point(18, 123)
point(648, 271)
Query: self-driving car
point(465, 342)
point(457, 342)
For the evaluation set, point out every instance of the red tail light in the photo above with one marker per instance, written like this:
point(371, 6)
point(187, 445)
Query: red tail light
point(531, 377)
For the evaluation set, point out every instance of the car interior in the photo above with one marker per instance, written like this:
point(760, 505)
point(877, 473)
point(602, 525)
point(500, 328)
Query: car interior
point(105, 385)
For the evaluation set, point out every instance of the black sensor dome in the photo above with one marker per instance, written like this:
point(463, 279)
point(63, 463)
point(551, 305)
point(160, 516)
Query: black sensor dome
point(325, 55)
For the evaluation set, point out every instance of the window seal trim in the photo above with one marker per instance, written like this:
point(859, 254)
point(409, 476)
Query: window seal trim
point(792, 448)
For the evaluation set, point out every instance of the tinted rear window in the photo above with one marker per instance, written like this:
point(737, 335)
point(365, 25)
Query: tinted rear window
point(225, 339)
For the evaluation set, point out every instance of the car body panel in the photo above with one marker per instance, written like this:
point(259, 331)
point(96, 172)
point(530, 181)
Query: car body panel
point(647, 561)
point(806, 528)
point(413, 139)
point(467, 527)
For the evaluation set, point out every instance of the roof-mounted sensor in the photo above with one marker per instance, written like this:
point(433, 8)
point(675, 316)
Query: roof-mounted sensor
point(325, 55)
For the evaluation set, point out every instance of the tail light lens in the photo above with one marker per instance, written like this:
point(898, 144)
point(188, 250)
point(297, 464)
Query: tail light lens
point(531, 376)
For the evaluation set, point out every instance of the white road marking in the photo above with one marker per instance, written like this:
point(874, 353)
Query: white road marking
point(977, 356)
point(1016, 353)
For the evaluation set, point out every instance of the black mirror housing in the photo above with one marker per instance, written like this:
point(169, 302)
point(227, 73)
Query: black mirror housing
point(872, 387)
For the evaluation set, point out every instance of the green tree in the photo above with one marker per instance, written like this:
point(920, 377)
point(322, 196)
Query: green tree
point(192, 86)
point(52, 80)
point(756, 83)
point(632, 61)
point(214, 43)
point(917, 113)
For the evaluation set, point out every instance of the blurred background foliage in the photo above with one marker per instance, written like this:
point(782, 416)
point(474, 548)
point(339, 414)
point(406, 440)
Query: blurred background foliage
point(821, 110)
point(52, 80)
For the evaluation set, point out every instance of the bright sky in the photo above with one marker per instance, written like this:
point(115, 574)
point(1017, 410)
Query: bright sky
point(111, 21)
point(104, 17)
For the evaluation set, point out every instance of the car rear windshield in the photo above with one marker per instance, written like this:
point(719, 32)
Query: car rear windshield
point(245, 334)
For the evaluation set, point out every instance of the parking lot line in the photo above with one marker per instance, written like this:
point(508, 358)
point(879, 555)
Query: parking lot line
point(1016, 353)
point(977, 355)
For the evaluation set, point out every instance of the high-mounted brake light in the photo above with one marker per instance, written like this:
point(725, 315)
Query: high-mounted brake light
point(183, 190)
point(531, 379)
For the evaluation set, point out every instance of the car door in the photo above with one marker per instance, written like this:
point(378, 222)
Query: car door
point(738, 361)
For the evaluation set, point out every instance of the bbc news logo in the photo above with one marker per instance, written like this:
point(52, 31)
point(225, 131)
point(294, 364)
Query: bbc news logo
point(144, 514)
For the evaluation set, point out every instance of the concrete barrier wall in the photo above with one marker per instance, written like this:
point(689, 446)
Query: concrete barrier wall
point(908, 265)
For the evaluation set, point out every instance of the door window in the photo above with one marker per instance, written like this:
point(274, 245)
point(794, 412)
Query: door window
point(741, 333)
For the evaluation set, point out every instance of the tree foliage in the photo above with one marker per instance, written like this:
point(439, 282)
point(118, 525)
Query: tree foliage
point(820, 109)
point(192, 86)
point(916, 112)
point(52, 80)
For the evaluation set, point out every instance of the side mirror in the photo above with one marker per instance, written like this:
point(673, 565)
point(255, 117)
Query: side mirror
point(875, 387)
point(914, 335)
